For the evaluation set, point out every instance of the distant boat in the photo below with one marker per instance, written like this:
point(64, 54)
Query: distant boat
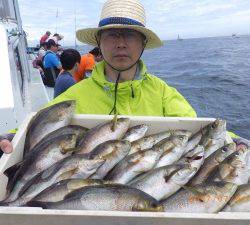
point(179, 39)
point(235, 36)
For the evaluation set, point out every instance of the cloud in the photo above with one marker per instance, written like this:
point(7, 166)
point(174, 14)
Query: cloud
point(167, 18)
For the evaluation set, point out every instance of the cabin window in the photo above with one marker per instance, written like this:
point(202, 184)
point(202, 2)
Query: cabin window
point(20, 72)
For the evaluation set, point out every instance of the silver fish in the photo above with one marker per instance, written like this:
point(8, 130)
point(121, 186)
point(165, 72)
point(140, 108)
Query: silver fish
point(207, 198)
point(149, 141)
point(212, 162)
point(240, 202)
point(38, 160)
point(46, 121)
point(102, 133)
point(105, 197)
point(75, 166)
point(213, 136)
point(154, 181)
point(59, 190)
point(136, 133)
point(112, 152)
point(173, 149)
point(235, 169)
point(190, 165)
point(79, 131)
point(133, 165)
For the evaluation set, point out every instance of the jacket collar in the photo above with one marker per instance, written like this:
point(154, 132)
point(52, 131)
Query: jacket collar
point(99, 76)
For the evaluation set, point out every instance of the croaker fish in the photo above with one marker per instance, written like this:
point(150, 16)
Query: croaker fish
point(103, 133)
point(79, 131)
point(173, 148)
point(135, 133)
point(46, 121)
point(155, 181)
point(207, 198)
point(75, 166)
point(240, 202)
point(212, 162)
point(149, 141)
point(59, 190)
point(41, 158)
point(191, 164)
point(235, 169)
point(134, 165)
point(106, 198)
point(213, 136)
point(112, 152)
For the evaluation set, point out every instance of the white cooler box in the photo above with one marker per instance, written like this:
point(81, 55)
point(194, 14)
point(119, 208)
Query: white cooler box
point(39, 216)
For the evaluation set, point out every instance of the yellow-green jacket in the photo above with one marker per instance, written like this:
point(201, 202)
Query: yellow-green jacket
point(152, 96)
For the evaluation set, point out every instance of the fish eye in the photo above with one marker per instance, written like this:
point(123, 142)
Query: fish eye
point(213, 126)
point(224, 149)
point(237, 154)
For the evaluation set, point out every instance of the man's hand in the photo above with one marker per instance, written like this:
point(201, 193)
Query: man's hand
point(5, 143)
point(6, 146)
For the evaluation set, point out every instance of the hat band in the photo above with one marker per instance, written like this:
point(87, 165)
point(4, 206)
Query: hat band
point(119, 20)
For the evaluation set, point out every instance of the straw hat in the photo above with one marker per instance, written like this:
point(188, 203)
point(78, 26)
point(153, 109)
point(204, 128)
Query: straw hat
point(121, 14)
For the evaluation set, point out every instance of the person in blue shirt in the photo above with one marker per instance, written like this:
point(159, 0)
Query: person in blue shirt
point(51, 63)
point(70, 59)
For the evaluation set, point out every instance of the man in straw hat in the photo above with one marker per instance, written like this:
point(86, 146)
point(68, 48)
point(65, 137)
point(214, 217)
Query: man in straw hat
point(121, 84)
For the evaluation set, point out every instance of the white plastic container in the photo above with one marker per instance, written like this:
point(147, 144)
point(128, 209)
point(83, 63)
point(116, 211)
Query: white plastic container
point(38, 216)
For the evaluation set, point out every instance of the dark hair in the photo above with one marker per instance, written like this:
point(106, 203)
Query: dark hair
point(95, 51)
point(51, 43)
point(69, 58)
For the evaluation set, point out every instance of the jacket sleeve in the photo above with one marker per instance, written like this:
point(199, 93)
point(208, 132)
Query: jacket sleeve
point(175, 105)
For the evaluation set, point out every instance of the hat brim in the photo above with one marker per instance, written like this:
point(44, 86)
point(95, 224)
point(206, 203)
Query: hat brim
point(88, 35)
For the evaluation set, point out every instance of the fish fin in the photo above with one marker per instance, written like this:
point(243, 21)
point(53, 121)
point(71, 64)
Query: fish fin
point(43, 205)
point(4, 203)
point(11, 171)
point(68, 150)
point(114, 123)
point(28, 184)
point(68, 174)
point(192, 190)
point(167, 177)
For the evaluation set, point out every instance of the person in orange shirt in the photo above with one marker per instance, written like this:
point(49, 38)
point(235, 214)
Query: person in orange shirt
point(87, 64)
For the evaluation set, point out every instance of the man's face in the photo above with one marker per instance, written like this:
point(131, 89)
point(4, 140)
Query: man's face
point(121, 47)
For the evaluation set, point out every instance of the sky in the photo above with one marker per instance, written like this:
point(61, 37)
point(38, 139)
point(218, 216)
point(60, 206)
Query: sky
point(168, 18)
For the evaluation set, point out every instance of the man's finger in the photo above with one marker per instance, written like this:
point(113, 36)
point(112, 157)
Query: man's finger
point(6, 146)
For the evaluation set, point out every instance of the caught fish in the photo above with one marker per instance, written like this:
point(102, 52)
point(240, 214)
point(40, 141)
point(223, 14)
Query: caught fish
point(235, 169)
point(155, 181)
point(240, 202)
point(212, 162)
point(112, 152)
point(79, 131)
point(41, 158)
point(103, 133)
point(135, 133)
point(149, 141)
point(206, 198)
point(59, 190)
point(173, 149)
point(106, 198)
point(134, 165)
point(190, 165)
point(75, 166)
point(213, 136)
point(193, 142)
point(46, 121)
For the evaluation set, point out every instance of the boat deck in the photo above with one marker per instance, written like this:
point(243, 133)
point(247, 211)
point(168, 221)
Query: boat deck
point(40, 95)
